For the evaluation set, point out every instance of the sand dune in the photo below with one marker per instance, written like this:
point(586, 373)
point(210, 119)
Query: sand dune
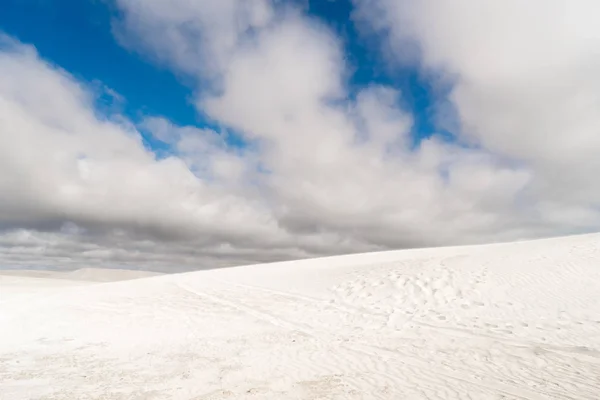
point(506, 321)
point(83, 274)
point(24, 285)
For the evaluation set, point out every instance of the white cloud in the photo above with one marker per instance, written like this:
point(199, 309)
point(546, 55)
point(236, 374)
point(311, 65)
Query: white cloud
point(205, 152)
point(325, 173)
point(526, 85)
point(190, 35)
point(62, 166)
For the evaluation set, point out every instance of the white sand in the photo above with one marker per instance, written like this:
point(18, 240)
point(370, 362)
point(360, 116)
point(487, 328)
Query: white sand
point(83, 274)
point(23, 285)
point(510, 321)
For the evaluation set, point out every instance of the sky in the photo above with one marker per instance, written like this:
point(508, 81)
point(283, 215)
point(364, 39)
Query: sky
point(180, 135)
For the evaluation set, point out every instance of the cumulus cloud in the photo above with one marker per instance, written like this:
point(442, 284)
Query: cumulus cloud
point(193, 36)
point(64, 166)
point(525, 85)
point(325, 171)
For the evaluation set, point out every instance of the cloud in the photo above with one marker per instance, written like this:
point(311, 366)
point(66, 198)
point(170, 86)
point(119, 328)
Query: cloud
point(323, 171)
point(338, 165)
point(525, 85)
point(64, 166)
point(192, 36)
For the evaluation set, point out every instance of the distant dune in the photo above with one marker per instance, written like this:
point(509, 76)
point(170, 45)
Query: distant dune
point(107, 275)
point(83, 274)
point(504, 321)
point(24, 284)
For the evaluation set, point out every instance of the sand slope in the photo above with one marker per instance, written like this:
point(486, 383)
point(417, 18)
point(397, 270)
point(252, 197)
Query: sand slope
point(509, 321)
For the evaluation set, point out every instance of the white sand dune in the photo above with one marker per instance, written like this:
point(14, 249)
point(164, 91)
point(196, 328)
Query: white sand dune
point(506, 321)
point(107, 275)
point(83, 274)
point(22, 285)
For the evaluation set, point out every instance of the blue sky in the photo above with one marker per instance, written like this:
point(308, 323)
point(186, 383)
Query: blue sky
point(77, 36)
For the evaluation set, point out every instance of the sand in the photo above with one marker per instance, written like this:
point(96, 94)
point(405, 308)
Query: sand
point(505, 321)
